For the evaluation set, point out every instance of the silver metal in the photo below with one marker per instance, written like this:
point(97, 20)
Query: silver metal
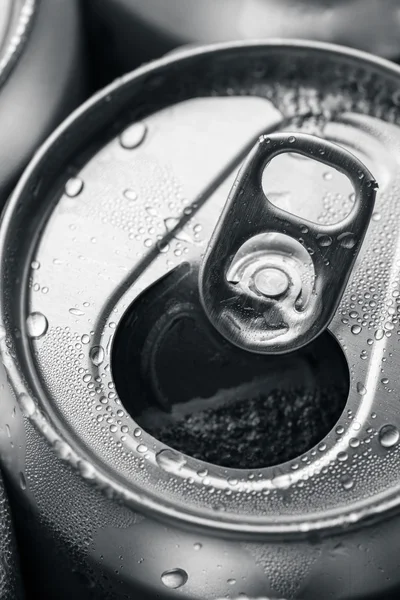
point(271, 282)
point(97, 493)
point(300, 300)
point(16, 21)
point(11, 586)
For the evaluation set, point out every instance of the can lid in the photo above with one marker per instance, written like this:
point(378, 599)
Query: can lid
point(157, 151)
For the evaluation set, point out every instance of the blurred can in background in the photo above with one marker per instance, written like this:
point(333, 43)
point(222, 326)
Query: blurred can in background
point(147, 456)
point(125, 33)
point(42, 77)
point(11, 587)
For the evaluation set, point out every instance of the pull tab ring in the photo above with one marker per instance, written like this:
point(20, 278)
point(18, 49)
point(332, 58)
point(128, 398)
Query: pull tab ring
point(270, 282)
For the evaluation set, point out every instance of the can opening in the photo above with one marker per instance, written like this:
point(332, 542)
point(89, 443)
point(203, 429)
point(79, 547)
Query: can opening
point(188, 387)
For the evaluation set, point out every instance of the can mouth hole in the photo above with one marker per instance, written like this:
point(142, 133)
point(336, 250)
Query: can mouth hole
point(188, 387)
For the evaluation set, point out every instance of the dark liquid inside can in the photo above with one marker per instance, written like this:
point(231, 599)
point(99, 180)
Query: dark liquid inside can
point(194, 391)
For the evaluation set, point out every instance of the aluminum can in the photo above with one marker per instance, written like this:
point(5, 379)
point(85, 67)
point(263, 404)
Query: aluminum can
point(11, 587)
point(157, 451)
point(41, 77)
point(125, 33)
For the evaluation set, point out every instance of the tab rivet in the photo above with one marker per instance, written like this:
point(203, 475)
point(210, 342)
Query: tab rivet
point(271, 282)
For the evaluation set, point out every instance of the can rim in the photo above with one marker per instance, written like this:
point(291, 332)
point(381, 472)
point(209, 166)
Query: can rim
point(298, 525)
point(15, 44)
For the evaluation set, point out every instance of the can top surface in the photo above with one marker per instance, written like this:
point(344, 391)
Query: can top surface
point(114, 200)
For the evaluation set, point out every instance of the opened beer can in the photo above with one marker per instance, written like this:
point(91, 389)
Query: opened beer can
point(200, 332)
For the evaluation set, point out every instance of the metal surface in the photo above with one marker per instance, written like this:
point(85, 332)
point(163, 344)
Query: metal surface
point(126, 192)
point(10, 578)
point(128, 32)
point(42, 77)
point(16, 21)
point(270, 281)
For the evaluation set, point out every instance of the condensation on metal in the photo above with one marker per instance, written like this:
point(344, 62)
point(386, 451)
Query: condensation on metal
point(87, 266)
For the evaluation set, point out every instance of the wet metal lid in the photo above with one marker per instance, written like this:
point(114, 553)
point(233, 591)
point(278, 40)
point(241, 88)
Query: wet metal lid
point(126, 194)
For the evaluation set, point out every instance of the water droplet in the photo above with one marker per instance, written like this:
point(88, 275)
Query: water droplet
point(197, 546)
point(291, 139)
point(22, 481)
point(137, 432)
point(142, 448)
point(162, 247)
point(355, 329)
point(130, 195)
point(181, 235)
point(361, 389)
point(376, 216)
point(35, 265)
point(385, 380)
point(347, 240)
point(148, 243)
point(151, 211)
point(62, 449)
point(133, 136)
point(324, 240)
point(97, 355)
point(347, 482)
point(170, 460)
point(327, 176)
point(85, 339)
point(28, 406)
point(202, 472)
point(76, 312)
point(388, 436)
point(86, 469)
point(73, 187)
point(231, 581)
point(174, 579)
point(37, 325)
point(379, 333)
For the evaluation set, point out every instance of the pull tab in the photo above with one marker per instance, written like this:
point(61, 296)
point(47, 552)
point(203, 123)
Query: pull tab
point(270, 282)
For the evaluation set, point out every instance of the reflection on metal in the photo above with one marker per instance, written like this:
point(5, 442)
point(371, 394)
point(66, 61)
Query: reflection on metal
point(285, 288)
